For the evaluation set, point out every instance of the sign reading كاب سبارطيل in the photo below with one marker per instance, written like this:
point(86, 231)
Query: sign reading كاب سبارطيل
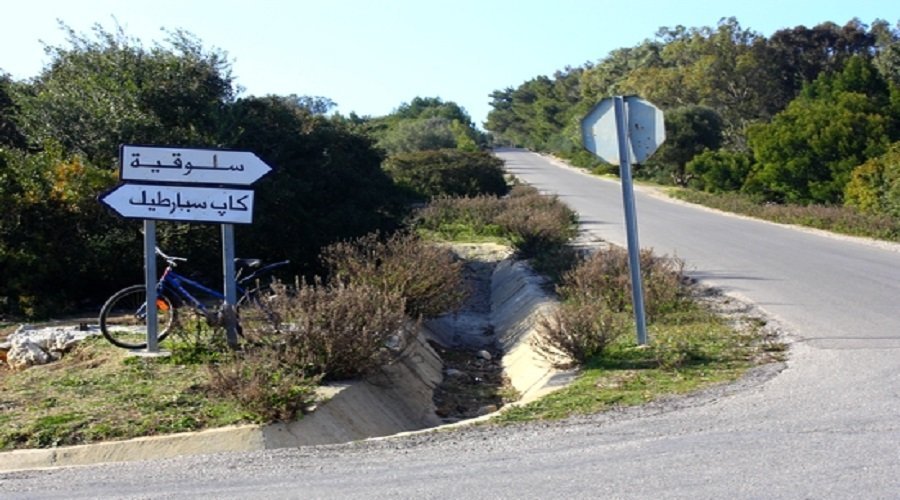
point(181, 203)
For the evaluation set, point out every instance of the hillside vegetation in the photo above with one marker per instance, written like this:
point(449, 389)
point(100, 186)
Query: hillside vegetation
point(806, 116)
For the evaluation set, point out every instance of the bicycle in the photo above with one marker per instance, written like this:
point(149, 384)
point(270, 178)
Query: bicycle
point(123, 318)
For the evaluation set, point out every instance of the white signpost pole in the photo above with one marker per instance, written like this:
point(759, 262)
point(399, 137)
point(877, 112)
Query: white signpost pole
point(631, 228)
point(150, 281)
point(229, 309)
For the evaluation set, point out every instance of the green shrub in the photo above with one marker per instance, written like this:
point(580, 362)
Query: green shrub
point(874, 186)
point(426, 276)
point(718, 171)
point(453, 217)
point(448, 172)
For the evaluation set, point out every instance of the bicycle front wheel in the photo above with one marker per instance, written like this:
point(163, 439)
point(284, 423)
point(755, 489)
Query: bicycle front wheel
point(123, 319)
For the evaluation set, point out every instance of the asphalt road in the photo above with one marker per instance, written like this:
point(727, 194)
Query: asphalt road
point(827, 426)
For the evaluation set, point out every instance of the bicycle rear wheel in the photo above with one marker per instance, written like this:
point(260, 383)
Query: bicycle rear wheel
point(123, 319)
point(256, 308)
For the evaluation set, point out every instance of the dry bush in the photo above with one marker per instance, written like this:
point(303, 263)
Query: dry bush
point(664, 283)
point(337, 331)
point(580, 331)
point(264, 383)
point(604, 278)
point(428, 277)
point(596, 308)
point(450, 216)
point(536, 222)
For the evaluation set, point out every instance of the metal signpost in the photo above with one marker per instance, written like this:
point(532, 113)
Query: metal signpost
point(626, 130)
point(188, 185)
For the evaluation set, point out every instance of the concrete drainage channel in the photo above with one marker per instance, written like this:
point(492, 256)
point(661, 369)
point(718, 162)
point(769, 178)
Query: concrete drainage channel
point(399, 399)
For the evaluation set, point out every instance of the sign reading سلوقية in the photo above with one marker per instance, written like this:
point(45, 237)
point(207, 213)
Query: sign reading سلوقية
point(181, 203)
point(190, 166)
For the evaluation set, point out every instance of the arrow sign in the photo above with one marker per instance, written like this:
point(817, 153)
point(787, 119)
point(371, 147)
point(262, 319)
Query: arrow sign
point(190, 166)
point(181, 203)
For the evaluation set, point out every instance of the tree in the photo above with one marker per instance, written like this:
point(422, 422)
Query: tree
point(887, 58)
point(9, 132)
point(108, 89)
point(419, 134)
point(449, 172)
point(57, 246)
point(433, 107)
point(327, 183)
point(690, 130)
point(718, 171)
point(807, 152)
point(874, 186)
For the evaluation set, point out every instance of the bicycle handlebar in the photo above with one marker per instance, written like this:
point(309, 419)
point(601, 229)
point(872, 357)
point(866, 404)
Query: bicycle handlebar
point(172, 261)
point(168, 258)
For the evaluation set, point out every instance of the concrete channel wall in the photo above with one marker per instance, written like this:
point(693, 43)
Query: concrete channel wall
point(518, 302)
point(397, 400)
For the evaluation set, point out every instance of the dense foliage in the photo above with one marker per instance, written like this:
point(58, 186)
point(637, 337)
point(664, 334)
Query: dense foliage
point(423, 124)
point(60, 133)
point(448, 172)
point(59, 138)
point(785, 118)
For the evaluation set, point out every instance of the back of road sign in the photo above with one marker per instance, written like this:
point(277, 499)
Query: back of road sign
point(646, 130)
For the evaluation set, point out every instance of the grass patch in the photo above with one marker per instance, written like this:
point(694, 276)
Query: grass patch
point(690, 351)
point(838, 219)
point(98, 393)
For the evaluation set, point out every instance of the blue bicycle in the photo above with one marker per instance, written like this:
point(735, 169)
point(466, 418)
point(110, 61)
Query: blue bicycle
point(123, 318)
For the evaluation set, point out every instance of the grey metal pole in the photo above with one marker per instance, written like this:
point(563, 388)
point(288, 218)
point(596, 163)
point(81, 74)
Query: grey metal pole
point(228, 308)
point(631, 229)
point(150, 281)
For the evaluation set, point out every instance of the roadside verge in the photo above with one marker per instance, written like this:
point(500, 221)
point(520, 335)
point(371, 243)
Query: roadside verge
point(397, 400)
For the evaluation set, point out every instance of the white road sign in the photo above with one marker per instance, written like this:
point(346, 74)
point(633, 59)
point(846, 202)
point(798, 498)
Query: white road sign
point(190, 166)
point(181, 203)
point(646, 130)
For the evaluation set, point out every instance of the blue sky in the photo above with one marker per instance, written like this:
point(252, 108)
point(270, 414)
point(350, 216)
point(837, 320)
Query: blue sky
point(371, 56)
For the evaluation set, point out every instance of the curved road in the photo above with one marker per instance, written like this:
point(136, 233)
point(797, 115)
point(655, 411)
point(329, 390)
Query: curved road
point(828, 426)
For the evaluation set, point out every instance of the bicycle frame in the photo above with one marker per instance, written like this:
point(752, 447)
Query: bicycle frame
point(177, 284)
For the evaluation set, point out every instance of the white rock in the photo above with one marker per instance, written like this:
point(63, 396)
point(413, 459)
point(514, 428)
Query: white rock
point(25, 353)
point(30, 346)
